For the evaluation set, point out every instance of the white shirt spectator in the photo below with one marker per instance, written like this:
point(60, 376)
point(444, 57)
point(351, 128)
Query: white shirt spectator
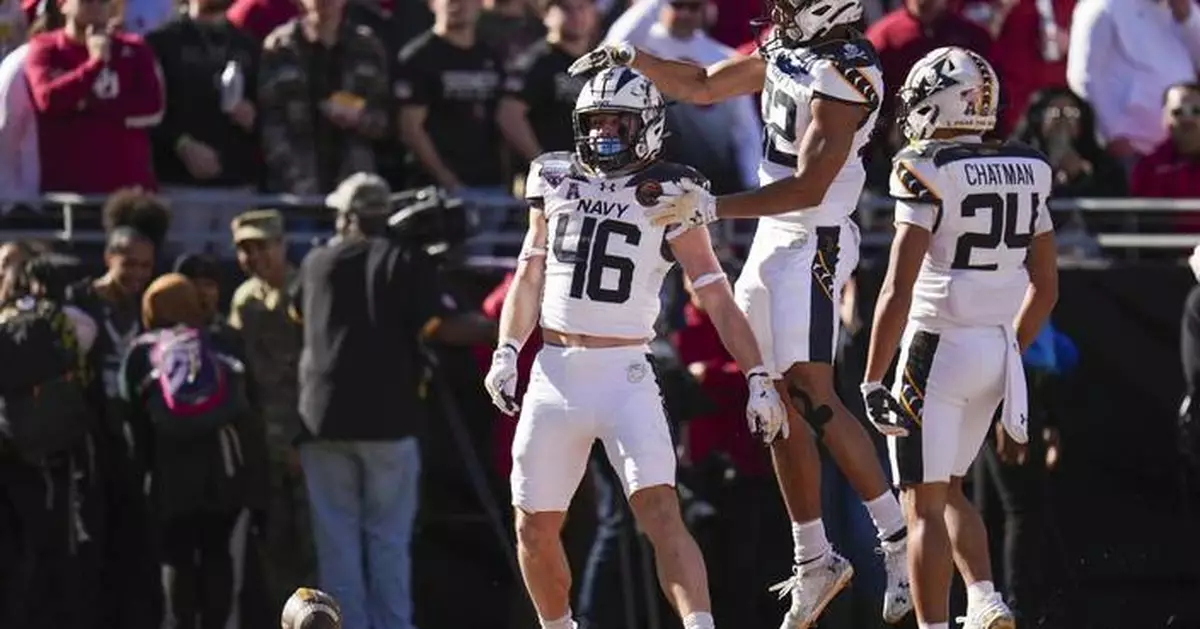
point(1124, 54)
point(19, 170)
point(635, 23)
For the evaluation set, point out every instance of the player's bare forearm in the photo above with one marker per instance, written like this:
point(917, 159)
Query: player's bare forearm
point(891, 315)
point(1042, 264)
point(414, 136)
point(689, 82)
point(523, 304)
point(731, 325)
point(895, 298)
point(822, 154)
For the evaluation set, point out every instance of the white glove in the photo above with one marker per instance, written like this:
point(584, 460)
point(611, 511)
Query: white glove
point(501, 379)
point(693, 206)
point(765, 412)
point(885, 413)
point(606, 56)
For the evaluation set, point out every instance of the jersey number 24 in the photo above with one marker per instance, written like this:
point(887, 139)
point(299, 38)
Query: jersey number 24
point(1004, 212)
point(591, 258)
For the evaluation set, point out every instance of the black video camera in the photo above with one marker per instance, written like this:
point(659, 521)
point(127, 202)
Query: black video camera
point(429, 218)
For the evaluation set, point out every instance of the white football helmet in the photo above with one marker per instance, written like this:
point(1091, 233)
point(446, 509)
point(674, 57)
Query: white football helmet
point(949, 88)
point(799, 21)
point(642, 114)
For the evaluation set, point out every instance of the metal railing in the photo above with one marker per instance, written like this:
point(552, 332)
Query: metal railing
point(70, 209)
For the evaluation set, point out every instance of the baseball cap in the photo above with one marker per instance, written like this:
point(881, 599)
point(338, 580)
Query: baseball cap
point(361, 193)
point(257, 225)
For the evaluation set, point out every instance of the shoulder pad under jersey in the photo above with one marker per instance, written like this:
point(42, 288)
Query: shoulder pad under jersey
point(546, 171)
point(846, 70)
point(648, 182)
point(915, 173)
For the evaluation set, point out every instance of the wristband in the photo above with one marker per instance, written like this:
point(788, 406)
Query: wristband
point(868, 387)
point(758, 371)
point(512, 344)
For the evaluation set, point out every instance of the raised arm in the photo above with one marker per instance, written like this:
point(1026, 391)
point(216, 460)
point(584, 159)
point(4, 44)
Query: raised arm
point(681, 80)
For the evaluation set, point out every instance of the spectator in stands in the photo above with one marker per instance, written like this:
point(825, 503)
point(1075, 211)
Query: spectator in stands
point(365, 303)
point(272, 341)
point(1172, 171)
point(448, 85)
point(1063, 126)
point(508, 27)
point(322, 99)
point(205, 274)
point(722, 140)
point(20, 170)
point(259, 17)
point(634, 22)
point(908, 33)
point(20, 167)
point(135, 225)
point(97, 93)
point(1024, 67)
point(1124, 55)
point(142, 16)
point(207, 138)
point(535, 112)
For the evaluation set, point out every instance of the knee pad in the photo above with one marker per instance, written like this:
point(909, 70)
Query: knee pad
point(817, 415)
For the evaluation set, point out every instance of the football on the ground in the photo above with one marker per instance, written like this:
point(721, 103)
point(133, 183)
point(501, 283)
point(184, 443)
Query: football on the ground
point(311, 609)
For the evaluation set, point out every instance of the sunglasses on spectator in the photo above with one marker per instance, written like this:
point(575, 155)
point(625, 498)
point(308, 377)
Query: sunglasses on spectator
point(1070, 113)
point(1186, 111)
point(687, 6)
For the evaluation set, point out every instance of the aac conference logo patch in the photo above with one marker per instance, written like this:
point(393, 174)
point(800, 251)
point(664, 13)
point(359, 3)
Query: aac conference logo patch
point(648, 192)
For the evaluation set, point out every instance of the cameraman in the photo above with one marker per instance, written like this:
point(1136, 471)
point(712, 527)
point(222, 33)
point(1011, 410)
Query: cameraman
point(366, 303)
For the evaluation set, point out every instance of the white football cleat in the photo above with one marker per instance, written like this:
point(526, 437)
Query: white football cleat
point(897, 599)
point(990, 613)
point(812, 586)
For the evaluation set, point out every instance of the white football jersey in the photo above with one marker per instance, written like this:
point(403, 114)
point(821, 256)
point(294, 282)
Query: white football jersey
point(605, 262)
point(842, 70)
point(983, 203)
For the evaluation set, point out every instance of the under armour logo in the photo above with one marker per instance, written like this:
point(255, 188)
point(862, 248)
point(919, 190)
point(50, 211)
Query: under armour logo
point(608, 186)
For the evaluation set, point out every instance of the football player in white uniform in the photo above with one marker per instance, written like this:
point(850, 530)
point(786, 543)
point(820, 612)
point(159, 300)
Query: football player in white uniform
point(972, 277)
point(821, 87)
point(593, 264)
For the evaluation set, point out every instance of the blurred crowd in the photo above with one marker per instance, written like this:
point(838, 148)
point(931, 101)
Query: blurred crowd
point(291, 96)
point(146, 101)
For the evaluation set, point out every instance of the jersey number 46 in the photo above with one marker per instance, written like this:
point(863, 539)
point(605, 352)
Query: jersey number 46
point(591, 258)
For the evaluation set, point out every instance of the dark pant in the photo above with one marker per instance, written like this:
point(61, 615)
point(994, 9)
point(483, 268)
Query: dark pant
point(202, 560)
point(49, 559)
point(607, 593)
point(1015, 496)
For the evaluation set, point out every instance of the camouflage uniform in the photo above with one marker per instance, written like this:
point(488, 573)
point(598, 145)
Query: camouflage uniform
point(272, 343)
point(289, 136)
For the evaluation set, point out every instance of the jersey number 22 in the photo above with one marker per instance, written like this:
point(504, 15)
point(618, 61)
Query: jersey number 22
point(591, 258)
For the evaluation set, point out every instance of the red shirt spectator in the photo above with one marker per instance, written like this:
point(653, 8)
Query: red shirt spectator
point(506, 427)
point(93, 115)
point(725, 429)
point(733, 20)
point(1017, 50)
point(1167, 174)
point(910, 32)
point(260, 17)
point(1172, 171)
